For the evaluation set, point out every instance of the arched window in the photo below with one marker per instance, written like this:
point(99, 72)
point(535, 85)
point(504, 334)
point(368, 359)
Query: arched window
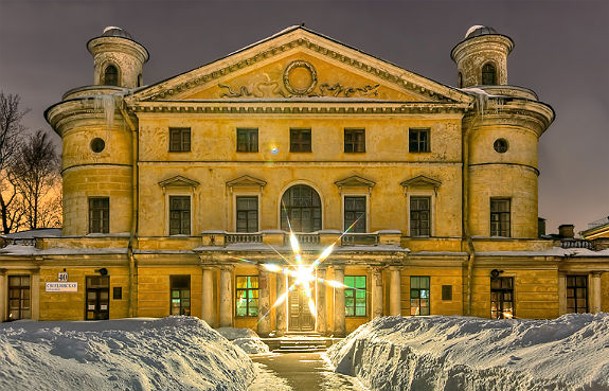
point(111, 76)
point(302, 206)
point(489, 75)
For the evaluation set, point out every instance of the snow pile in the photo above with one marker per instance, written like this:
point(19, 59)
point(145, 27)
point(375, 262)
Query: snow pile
point(246, 339)
point(175, 353)
point(466, 354)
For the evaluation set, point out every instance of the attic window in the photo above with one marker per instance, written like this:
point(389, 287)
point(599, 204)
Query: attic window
point(111, 76)
point(489, 75)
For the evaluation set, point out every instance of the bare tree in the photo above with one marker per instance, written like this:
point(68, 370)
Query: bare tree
point(35, 174)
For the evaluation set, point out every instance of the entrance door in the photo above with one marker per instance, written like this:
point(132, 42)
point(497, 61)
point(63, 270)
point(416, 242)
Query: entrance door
point(301, 318)
point(98, 298)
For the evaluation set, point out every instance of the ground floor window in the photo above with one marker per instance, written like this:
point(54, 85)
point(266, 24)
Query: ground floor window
point(247, 295)
point(577, 294)
point(419, 295)
point(502, 298)
point(180, 295)
point(355, 295)
point(98, 298)
point(19, 299)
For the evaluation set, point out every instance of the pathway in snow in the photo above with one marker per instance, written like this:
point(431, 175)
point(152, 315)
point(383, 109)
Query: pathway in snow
point(299, 372)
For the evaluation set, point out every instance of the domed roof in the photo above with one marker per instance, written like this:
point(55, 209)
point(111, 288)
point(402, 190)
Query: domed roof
point(113, 31)
point(478, 30)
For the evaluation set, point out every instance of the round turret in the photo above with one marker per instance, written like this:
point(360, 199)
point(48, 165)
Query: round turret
point(481, 57)
point(118, 59)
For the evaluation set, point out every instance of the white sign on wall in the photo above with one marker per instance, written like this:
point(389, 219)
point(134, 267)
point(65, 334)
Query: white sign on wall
point(61, 287)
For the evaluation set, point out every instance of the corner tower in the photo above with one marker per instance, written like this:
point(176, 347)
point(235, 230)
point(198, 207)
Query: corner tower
point(500, 140)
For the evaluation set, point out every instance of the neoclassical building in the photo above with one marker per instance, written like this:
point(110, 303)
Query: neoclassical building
point(300, 185)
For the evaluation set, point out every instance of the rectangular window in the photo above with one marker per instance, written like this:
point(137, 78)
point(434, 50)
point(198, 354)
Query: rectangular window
point(300, 140)
point(179, 215)
point(420, 216)
point(117, 293)
point(419, 295)
point(500, 217)
point(179, 139)
point(577, 294)
point(98, 298)
point(355, 295)
point(502, 298)
point(99, 215)
point(355, 140)
point(355, 214)
point(418, 140)
point(447, 292)
point(247, 214)
point(19, 299)
point(247, 140)
point(179, 287)
point(247, 296)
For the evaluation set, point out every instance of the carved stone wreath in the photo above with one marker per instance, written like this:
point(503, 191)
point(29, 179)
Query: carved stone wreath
point(304, 90)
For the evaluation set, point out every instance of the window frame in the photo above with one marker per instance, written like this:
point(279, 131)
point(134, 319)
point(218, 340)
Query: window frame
point(177, 139)
point(116, 75)
point(301, 140)
point(17, 293)
point(184, 302)
point(347, 224)
point(99, 224)
point(498, 311)
point(249, 296)
point(284, 213)
point(98, 285)
point(351, 292)
point(250, 144)
point(575, 287)
point(419, 145)
point(237, 210)
point(497, 220)
point(488, 74)
point(170, 211)
point(419, 297)
point(412, 213)
point(354, 140)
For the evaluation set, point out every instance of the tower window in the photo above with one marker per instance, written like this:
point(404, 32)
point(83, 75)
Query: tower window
point(111, 76)
point(489, 75)
point(500, 217)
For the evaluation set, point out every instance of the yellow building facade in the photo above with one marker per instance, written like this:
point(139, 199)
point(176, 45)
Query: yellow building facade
point(299, 185)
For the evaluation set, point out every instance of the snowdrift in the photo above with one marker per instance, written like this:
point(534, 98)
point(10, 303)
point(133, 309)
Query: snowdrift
point(470, 354)
point(175, 353)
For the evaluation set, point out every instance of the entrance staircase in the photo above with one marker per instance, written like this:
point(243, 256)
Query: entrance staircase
point(299, 343)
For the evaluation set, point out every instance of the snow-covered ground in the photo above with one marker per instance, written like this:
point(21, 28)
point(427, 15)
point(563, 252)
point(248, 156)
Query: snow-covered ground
point(471, 354)
point(392, 353)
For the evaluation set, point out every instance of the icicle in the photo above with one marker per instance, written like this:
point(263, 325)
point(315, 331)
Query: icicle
point(107, 103)
point(481, 96)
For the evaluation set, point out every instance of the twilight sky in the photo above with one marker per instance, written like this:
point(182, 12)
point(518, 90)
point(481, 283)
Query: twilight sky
point(561, 52)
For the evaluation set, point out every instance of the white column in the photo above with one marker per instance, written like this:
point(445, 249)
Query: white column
point(208, 312)
point(395, 292)
point(321, 302)
point(264, 299)
point(339, 303)
point(376, 288)
point(280, 320)
point(595, 294)
point(226, 296)
point(562, 294)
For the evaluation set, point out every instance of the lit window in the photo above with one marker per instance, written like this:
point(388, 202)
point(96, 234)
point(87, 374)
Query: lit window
point(247, 296)
point(99, 215)
point(355, 140)
point(179, 139)
point(355, 295)
point(180, 295)
point(247, 140)
point(418, 140)
point(500, 217)
point(300, 140)
point(419, 295)
point(247, 214)
point(502, 297)
point(179, 215)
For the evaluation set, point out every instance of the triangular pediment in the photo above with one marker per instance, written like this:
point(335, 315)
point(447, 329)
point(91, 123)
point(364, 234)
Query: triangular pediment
point(246, 181)
point(299, 64)
point(421, 181)
point(178, 181)
point(355, 181)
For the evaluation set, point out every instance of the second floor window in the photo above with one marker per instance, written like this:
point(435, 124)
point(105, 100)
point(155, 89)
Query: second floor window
point(500, 217)
point(300, 140)
point(355, 213)
point(420, 216)
point(247, 140)
point(247, 214)
point(179, 215)
point(418, 140)
point(99, 215)
point(179, 139)
point(355, 140)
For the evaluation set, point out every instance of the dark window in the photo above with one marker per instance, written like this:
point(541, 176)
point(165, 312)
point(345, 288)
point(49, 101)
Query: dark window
point(577, 294)
point(420, 216)
point(99, 215)
point(98, 298)
point(300, 140)
point(179, 215)
point(111, 76)
point(447, 292)
point(418, 140)
point(19, 298)
point(419, 295)
point(489, 75)
point(247, 214)
point(355, 214)
point(355, 140)
point(180, 295)
point(117, 293)
point(302, 206)
point(501, 145)
point(247, 140)
point(97, 145)
point(502, 298)
point(247, 295)
point(179, 139)
point(355, 295)
point(500, 217)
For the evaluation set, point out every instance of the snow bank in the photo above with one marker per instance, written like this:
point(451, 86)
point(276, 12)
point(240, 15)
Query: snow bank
point(466, 354)
point(246, 339)
point(175, 353)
